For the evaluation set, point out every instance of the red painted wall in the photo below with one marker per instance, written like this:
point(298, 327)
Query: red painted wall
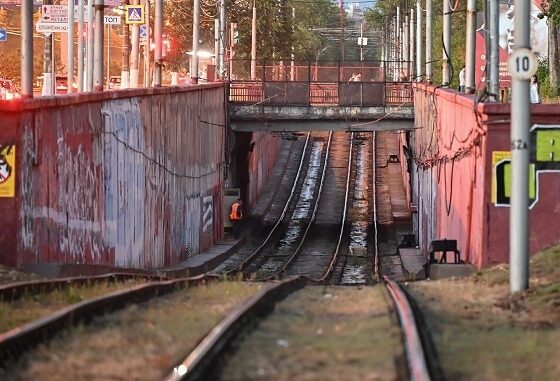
point(452, 147)
point(128, 178)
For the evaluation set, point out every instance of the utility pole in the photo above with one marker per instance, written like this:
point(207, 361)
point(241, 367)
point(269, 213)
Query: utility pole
point(254, 43)
point(419, 52)
point(520, 121)
point(470, 59)
point(196, 33)
point(494, 64)
point(47, 61)
point(342, 30)
point(108, 76)
point(217, 45)
point(80, 46)
point(397, 72)
point(412, 47)
point(158, 35)
point(429, 42)
point(134, 52)
point(70, 88)
point(405, 49)
point(27, 48)
point(90, 47)
point(125, 68)
point(221, 60)
point(147, 58)
point(446, 66)
point(98, 51)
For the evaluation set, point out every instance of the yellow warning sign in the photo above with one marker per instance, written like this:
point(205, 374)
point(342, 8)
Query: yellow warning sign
point(134, 14)
point(8, 171)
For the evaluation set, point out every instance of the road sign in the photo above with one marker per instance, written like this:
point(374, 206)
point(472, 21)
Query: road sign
point(143, 31)
point(522, 63)
point(54, 14)
point(3, 34)
point(49, 28)
point(134, 14)
point(112, 20)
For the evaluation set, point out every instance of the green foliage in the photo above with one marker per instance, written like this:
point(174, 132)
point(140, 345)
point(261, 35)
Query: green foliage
point(543, 74)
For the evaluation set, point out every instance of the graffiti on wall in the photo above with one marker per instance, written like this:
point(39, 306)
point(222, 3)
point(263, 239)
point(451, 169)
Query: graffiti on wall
point(544, 157)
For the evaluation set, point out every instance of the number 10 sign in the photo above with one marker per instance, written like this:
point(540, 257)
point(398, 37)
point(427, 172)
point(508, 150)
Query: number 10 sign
point(522, 63)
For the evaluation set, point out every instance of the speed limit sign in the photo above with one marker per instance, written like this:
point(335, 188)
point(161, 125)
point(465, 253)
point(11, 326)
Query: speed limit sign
point(522, 63)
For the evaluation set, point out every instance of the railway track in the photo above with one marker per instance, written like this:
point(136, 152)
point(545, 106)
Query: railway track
point(218, 345)
point(340, 260)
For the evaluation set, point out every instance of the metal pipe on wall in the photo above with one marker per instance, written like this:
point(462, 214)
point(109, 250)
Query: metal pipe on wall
point(81, 65)
point(412, 46)
point(89, 47)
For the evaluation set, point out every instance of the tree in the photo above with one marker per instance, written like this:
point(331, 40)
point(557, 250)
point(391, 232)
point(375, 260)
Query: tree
point(551, 10)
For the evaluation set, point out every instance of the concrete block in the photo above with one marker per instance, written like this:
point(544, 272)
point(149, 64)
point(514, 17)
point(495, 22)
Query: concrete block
point(447, 270)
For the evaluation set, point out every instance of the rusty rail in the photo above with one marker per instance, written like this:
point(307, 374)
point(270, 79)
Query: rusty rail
point(13, 291)
point(202, 360)
point(15, 342)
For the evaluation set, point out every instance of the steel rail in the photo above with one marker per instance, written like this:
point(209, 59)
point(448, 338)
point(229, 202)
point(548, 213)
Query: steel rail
point(15, 342)
point(282, 270)
point(250, 258)
point(416, 358)
point(328, 273)
point(14, 291)
point(203, 359)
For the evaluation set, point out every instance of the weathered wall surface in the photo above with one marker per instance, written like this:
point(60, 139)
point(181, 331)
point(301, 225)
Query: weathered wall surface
point(129, 178)
point(261, 162)
point(452, 148)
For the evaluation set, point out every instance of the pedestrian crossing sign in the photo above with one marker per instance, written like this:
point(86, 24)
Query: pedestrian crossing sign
point(134, 14)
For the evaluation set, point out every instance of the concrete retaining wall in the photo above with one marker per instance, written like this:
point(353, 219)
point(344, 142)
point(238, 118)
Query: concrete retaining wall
point(452, 176)
point(131, 178)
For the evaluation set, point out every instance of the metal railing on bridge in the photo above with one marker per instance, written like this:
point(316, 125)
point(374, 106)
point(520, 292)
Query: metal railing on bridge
point(304, 83)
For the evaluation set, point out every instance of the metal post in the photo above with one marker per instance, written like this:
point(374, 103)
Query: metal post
point(412, 46)
point(429, 42)
point(125, 67)
point(470, 55)
point(196, 37)
point(221, 61)
point(147, 57)
point(134, 52)
point(216, 44)
point(47, 58)
point(397, 72)
point(158, 32)
point(254, 43)
point(98, 51)
point(108, 76)
point(494, 64)
point(520, 119)
point(419, 52)
point(405, 49)
point(80, 45)
point(90, 47)
point(70, 46)
point(446, 50)
point(27, 48)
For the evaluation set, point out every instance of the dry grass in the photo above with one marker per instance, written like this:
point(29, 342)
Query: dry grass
point(37, 305)
point(482, 332)
point(142, 342)
point(323, 333)
point(10, 275)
